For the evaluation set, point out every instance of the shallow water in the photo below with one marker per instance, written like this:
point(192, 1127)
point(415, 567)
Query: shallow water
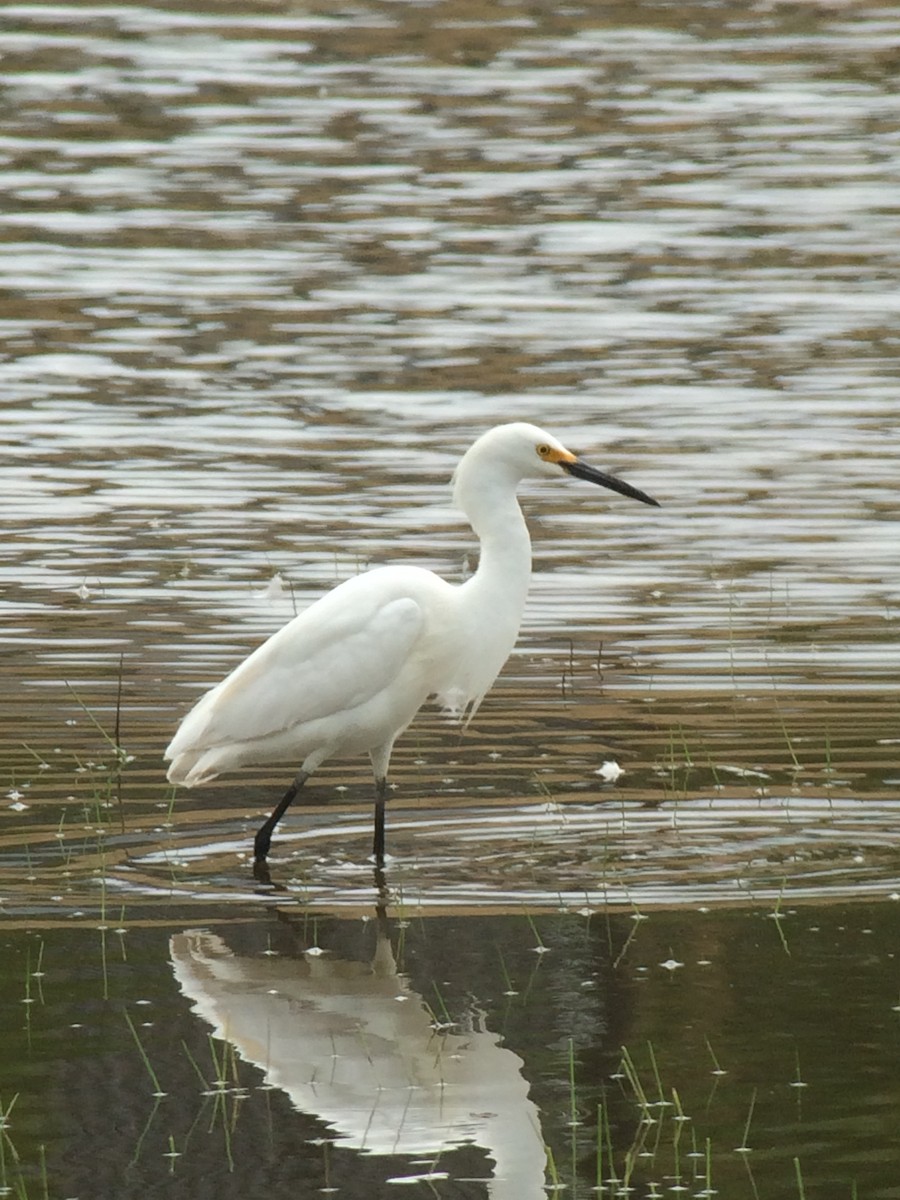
point(265, 273)
point(347, 1054)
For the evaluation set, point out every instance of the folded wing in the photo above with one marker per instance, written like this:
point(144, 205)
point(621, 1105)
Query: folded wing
point(321, 667)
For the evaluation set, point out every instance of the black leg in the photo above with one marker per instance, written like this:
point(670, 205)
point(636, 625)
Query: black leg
point(381, 787)
point(263, 837)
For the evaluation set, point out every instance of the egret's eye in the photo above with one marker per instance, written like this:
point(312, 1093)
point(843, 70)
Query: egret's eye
point(544, 451)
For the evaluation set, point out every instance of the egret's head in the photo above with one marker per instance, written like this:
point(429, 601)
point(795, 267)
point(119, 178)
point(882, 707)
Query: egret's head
point(525, 451)
point(518, 449)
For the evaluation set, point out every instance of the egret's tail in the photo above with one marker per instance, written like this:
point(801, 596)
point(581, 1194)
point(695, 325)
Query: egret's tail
point(189, 769)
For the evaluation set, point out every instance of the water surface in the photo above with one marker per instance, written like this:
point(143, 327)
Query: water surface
point(265, 274)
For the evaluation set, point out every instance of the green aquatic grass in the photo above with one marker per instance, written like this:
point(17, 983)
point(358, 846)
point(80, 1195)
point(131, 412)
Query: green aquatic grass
point(660, 1094)
point(509, 988)
point(787, 739)
point(113, 740)
point(148, 1066)
point(574, 1119)
point(630, 1072)
point(440, 1016)
point(778, 916)
point(537, 936)
point(224, 1062)
point(172, 1153)
point(8, 1152)
point(551, 1171)
point(13, 1180)
point(744, 1147)
point(718, 1069)
point(708, 1163)
point(573, 1105)
point(657, 1157)
point(606, 1159)
point(801, 1191)
point(204, 1083)
point(33, 981)
point(221, 1087)
point(107, 781)
point(667, 1153)
point(636, 918)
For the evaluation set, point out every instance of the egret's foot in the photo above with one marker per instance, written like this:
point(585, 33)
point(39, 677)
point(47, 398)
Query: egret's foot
point(261, 872)
point(263, 840)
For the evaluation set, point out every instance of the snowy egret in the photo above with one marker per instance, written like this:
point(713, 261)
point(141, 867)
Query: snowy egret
point(349, 673)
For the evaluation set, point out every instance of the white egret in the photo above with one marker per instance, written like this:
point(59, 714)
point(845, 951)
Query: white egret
point(348, 674)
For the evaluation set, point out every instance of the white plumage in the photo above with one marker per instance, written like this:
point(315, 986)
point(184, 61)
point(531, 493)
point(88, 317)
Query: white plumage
point(349, 674)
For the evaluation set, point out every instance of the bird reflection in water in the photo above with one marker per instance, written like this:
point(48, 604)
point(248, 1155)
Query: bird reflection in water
point(355, 1045)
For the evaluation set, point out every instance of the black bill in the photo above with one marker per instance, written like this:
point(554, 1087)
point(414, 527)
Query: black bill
point(581, 470)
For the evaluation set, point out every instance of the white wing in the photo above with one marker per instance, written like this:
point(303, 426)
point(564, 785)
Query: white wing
point(341, 652)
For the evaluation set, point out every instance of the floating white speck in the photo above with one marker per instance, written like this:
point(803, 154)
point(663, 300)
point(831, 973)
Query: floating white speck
point(671, 964)
point(274, 589)
point(419, 1178)
point(743, 772)
point(609, 771)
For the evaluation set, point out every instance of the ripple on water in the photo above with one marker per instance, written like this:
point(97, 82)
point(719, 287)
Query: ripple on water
point(251, 325)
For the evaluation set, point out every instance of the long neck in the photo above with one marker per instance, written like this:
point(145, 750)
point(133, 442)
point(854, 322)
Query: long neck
point(500, 585)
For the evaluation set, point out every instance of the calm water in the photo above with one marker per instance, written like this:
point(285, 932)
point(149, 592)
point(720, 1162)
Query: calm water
point(265, 274)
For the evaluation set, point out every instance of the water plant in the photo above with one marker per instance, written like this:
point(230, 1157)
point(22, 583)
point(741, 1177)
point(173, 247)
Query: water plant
point(744, 1147)
point(778, 916)
point(13, 1176)
point(801, 1191)
point(148, 1066)
point(112, 788)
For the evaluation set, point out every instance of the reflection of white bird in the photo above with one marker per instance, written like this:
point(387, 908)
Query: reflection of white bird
point(350, 673)
point(354, 1045)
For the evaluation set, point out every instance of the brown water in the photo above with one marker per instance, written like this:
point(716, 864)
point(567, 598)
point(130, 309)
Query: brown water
point(265, 274)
